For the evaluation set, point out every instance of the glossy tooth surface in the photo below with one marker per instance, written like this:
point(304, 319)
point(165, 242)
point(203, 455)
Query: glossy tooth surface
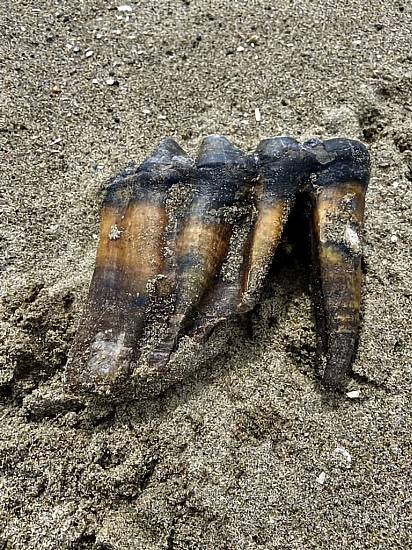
point(222, 175)
point(283, 166)
point(222, 300)
point(130, 254)
point(338, 197)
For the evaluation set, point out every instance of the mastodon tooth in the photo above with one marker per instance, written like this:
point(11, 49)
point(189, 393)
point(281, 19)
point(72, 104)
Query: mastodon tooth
point(130, 254)
point(283, 166)
point(221, 177)
point(338, 197)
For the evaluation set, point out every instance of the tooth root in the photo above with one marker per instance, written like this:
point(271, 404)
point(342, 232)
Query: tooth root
point(129, 255)
point(223, 172)
point(222, 301)
point(266, 235)
point(337, 221)
point(282, 166)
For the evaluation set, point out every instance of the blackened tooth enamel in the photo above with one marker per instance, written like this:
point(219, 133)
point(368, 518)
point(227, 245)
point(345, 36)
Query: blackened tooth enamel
point(222, 175)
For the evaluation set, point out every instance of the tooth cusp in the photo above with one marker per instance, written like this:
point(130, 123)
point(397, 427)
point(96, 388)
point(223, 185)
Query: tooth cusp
point(130, 254)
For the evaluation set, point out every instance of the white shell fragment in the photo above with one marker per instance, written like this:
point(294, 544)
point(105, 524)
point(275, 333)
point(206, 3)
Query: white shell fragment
point(321, 478)
point(354, 394)
point(344, 453)
point(352, 238)
point(258, 116)
point(115, 233)
point(124, 8)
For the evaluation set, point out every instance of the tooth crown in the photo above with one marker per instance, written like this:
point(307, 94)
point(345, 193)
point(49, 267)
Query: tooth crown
point(338, 199)
point(186, 245)
point(339, 160)
point(284, 166)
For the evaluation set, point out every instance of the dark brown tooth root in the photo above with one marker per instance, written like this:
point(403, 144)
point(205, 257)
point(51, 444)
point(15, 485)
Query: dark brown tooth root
point(337, 220)
point(222, 174)
point(283, 166)
point(130, 254)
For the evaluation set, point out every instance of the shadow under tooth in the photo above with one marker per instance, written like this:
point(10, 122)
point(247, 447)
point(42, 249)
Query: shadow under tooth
point(338, 197)
point(283, 167)
point(129, 255)
point(222, 175)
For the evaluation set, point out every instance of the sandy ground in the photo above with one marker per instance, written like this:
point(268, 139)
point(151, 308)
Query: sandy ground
point(231, 458)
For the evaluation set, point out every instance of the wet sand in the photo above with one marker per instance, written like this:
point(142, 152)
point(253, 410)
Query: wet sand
point(249, 453)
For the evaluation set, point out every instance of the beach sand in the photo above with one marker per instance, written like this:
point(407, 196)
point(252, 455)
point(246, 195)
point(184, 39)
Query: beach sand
point(250, 452)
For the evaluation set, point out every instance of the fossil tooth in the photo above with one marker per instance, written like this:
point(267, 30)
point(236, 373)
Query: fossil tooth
point(130, 254)
point(222, 176)
point(338, 197)
point(282, 167)
point(183, 247)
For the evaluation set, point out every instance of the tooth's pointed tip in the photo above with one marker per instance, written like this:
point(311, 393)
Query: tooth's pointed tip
point(170, 146)
point(335, 375)
point(166, 153)
point(216, 149)
point(275, 146)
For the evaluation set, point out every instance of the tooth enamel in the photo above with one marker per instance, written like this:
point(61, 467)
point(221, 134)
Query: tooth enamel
point(107, 341)
point(338, 209)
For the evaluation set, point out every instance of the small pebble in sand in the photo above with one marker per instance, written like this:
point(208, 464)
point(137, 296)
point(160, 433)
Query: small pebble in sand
point(253, 40)
point(258, 116)
point(240, 49)
point(89, 53)
point(354, 394)
point(344, 453)
point(321, 478)
point(112, 82)
point(394, 239)
point(124, 8)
